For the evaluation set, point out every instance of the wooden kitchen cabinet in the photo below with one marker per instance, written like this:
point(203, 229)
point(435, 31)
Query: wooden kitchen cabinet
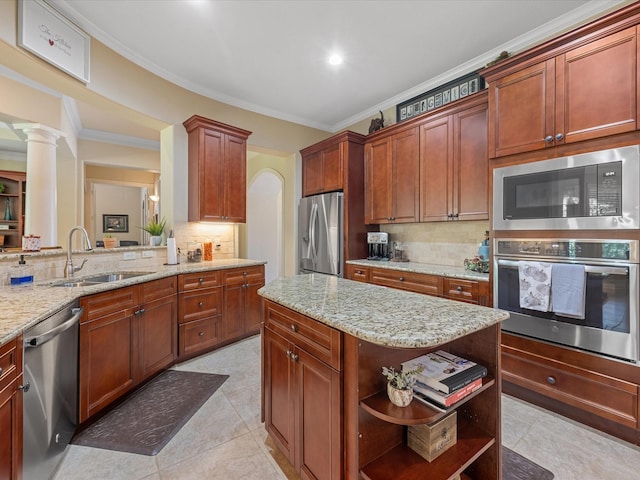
point(199, 312)
point(413, 282)
point(242, 304)
point(322, 170)
point(126, 335)
point(13, 195)
point(217, 171)
point(392, 177)
point(11, 410)
point(454, 167)
point(302, 391)
point(562, 95)
point(468, 291)
point(357, 273)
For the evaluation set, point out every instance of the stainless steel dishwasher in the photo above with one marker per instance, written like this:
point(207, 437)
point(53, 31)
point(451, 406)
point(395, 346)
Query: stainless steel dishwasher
point(50, 391)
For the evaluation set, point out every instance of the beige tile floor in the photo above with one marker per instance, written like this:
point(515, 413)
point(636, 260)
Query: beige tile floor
point(225, 439)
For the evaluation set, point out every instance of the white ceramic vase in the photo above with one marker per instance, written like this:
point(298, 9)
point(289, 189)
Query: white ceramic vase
point(400, 398)
point(155, 240)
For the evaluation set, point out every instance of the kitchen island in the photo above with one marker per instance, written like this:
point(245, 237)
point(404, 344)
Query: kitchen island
point(325, 340)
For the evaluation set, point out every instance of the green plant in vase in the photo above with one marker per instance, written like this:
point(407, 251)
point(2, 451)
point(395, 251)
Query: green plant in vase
point(400, 384)
point(155, 229)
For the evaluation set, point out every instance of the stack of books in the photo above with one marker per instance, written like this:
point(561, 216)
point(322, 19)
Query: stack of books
point(445, 378)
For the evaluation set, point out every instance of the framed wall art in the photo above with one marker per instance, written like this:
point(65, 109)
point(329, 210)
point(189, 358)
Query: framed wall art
point(50, 36)
point(447, 93)
point(115, 223)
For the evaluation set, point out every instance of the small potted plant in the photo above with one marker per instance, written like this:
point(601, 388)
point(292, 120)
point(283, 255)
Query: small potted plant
point(400, 385)
point(110, 241)
point(155, 229)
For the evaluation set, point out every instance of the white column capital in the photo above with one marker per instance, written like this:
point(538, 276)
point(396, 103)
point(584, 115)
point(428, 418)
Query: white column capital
point(37, 132)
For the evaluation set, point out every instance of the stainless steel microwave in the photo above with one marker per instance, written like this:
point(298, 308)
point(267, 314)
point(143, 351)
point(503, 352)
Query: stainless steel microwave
point(597, 190)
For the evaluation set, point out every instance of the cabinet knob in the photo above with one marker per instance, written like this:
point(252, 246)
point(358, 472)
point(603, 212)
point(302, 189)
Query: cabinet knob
point(201, 280)
point(459, 288)
point(548, 139)
point(201, 334)
point(25, 388)
point(294, 357)
point(201, 304)
point(551, 380)
point(455, 215)
point(401, 279)
point(288, 353)
point(559, 136)
point(244, 274)
point(294, 328)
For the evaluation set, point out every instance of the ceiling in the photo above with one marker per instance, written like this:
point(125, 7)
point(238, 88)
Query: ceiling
point(270, 56)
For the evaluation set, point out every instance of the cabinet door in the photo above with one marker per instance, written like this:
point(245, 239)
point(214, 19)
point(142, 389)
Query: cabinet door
point(312, 174)
point(107, 368)
point(319, 407)
point(470, 165)
point(405, 178)
point(599, 97)
point(211, 176)
point(158, 335)
point(11, 410)
point(234, 307)
point(522, 112)
point(332, 168)
point(279, 392)
point(436, 149)
point(253, 308)
point(234, 185)
point(378, 173)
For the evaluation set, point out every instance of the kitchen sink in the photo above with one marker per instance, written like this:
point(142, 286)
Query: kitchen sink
point(98, 279)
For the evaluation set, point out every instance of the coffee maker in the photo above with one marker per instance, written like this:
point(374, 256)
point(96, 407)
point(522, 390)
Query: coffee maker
point(378, 243)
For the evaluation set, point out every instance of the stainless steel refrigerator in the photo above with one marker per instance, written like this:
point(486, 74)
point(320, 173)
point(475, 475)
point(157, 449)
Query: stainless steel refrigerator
point(320, 223)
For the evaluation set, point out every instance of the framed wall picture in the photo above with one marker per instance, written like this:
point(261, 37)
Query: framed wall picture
point(47, 34)
point(115, 223)
point(437, 97)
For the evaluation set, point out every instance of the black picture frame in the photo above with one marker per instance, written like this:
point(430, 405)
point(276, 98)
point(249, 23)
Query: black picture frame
point(460, 87)
point(112, 223)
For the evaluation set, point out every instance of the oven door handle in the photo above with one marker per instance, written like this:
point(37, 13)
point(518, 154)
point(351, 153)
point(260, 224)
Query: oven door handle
point(602, 270)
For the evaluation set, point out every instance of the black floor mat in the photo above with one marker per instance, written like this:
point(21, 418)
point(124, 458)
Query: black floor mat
point(517, 467)
point(151, 416)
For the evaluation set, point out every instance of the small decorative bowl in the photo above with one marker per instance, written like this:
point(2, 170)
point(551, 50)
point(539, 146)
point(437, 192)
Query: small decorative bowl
point(477, 264)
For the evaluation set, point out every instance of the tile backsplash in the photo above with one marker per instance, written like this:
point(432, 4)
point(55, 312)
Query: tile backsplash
point(440, 243)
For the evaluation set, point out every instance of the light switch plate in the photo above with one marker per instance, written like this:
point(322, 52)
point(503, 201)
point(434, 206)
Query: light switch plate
point(147, 254)
point(129, 256)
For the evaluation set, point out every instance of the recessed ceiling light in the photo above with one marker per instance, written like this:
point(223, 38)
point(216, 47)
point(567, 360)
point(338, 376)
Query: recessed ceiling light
point(335, 59)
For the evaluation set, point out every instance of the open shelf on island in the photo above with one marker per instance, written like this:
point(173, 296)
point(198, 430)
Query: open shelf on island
point(472, 442)
point(417, 412)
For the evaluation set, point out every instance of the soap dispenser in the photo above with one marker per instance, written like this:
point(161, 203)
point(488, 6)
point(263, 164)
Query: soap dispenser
point(21, 274)
point(483, 250)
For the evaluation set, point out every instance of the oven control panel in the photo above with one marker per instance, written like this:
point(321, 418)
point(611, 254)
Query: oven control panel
point(622, 250)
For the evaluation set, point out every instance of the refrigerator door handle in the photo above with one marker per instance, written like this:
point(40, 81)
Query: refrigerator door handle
point(313, 248)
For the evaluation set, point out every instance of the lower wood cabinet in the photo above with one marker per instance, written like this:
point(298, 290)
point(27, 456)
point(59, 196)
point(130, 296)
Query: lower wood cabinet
point(126, 335)
point(242, 304)
point(11, 410)
point(303, 391)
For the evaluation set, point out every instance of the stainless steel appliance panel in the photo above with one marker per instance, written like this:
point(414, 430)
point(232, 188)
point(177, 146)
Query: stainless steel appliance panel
point(574, 192)
point(51, 398)
point(320, 227)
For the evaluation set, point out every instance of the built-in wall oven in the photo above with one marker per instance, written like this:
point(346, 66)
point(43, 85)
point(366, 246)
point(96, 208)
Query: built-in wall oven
point(579, 293)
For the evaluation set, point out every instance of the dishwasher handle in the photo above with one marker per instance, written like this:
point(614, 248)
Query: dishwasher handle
point(38, 340)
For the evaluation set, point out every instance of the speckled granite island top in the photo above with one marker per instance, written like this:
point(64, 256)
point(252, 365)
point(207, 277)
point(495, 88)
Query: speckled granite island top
point(425, 268)
point(25, 306)
point(380, 315)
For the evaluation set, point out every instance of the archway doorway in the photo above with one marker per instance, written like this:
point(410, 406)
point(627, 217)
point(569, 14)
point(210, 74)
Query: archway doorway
point(265, 222)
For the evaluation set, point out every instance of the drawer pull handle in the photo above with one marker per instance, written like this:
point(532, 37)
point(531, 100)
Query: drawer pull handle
point(25, 388)
point(459, 288)
point(294, 328)
point(201, 334)
point(0, 371)
point(551, 380)
point(201, 304)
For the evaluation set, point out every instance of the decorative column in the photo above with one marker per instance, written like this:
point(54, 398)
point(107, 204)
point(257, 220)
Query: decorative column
point(41, 198)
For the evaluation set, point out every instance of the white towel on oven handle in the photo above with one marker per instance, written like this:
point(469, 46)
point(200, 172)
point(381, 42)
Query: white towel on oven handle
point(535, 285)
point(568, 286)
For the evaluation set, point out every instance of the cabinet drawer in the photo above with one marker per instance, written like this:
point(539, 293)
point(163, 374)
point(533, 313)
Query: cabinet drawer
point(101, 304)
point(602, 395)
point(317, 339)
point(241, 276)
point(199, 304)
point(461, 290)
point(10, 361)
point(164, 287)
point(199, 335)
point(414, 282)
point(191, 281)
point(357, 273)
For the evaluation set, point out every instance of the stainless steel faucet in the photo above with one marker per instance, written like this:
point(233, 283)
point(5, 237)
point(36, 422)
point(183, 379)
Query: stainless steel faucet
point(69, 269)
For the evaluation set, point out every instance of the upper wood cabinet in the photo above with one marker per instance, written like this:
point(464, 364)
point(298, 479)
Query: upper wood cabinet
point(565, 94)
point(392, 177)
point(217, 171)
point(454, 166)
point(322, 170)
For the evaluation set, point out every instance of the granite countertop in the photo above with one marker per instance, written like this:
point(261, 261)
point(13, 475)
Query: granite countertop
point(425, 268)
point(380, 315)
point(25, 306)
